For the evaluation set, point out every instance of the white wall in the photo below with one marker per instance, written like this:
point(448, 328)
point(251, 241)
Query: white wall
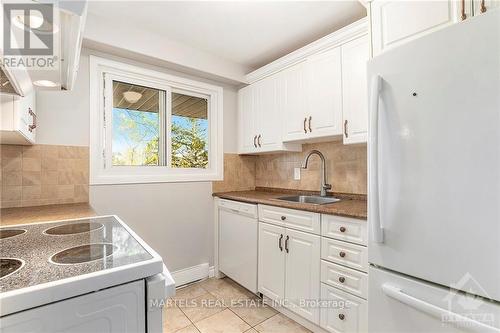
point(176, 219)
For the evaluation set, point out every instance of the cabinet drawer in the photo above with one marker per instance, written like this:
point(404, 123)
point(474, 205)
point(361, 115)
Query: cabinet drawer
point(343, 312)
point(239, 207)
point(344, 278)
point(291, 218)
point(351, 255)
point(343, 228)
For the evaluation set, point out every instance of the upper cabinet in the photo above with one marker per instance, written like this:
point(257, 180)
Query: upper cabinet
point(302, 96)
point(18, 119)
point(259, 118)
point(311, 96)
point(355, 55)
point(396, 22)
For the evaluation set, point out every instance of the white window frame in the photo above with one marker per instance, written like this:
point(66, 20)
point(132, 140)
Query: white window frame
point(102, 73)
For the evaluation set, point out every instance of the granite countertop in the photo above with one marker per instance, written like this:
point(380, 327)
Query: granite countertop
point(354, 206)
point(23, 215)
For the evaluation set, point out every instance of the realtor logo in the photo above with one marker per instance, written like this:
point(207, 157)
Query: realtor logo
point(29, 31)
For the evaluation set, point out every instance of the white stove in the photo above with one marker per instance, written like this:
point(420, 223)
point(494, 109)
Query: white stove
point(82, 275)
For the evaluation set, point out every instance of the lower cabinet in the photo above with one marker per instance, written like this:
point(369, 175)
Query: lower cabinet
point(342, 312)
point(289, 268)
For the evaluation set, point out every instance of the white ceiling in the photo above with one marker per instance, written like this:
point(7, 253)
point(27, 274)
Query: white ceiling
point(249, 33)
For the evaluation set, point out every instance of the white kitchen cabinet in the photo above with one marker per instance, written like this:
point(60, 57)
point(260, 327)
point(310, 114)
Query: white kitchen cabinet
point(313, 97)
point(292, 97)
point(483, 6)
point(344, 313)
point(18, 119)
point(302, 272)
point(396, 22)
point(289, 268)
point(260, 120)
point(271, 273)
point(247, 120)
point(324, 94)
point(355, 55)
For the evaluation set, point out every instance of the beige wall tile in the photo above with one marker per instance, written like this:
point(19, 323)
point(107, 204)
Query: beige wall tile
point(32, 164)
point(43, 175)
point(346, 168)
point(32, 178)
point(11, 193)
point(12, 178)
point(239, 174)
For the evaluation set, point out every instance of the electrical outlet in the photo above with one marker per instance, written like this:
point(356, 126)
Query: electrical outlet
point(296, 173)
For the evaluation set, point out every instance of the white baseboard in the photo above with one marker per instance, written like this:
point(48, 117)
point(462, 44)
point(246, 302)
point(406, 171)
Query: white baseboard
point(192, 274)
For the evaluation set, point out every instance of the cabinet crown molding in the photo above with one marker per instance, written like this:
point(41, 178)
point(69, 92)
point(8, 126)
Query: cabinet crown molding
point(336, 38)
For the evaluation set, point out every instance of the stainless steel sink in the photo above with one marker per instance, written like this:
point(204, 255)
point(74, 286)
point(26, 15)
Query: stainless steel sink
point(311, 199)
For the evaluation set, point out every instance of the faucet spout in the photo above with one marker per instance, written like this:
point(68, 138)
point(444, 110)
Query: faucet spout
point(324, 185)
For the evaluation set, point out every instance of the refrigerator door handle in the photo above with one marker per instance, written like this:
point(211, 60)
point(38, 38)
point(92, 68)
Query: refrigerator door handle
point(435, 311)
point(373, 197)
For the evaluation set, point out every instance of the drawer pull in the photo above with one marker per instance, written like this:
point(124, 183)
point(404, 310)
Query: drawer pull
point(283, 218)
point(342, 229)
point(286, 243)
point(342, 254)
point(279, 243)
point(341, 316)
point(341, 279)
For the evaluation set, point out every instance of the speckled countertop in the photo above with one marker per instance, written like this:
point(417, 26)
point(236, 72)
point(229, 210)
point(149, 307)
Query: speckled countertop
point(350, 205)
point(23, 215)
point(35, 248)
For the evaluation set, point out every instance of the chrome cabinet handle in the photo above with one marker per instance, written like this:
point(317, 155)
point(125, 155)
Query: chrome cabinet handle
point(279, 243)
point(33, 124)
point(286, 243)
point(305, 129)
point(258, 140)
point(462, 10)
point(254, 141)
point(310, 129)
point(346, 134)
point(482, 7)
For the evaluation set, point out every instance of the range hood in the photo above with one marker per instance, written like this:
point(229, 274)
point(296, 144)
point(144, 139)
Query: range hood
point(68, 24)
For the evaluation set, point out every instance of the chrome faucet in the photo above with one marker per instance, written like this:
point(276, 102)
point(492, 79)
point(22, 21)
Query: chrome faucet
point(324, 185)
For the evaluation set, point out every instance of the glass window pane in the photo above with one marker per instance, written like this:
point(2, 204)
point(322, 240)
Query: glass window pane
point(189, 131)
point(136, 124)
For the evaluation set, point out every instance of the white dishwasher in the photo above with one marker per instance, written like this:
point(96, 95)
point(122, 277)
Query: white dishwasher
point(238, 237)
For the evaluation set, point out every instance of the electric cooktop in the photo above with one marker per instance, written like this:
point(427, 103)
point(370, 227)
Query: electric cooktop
point(33, 254)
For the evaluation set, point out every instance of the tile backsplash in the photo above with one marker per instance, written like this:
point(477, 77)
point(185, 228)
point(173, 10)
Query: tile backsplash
point(346, 167)
point(43, 175)
point(239, 174)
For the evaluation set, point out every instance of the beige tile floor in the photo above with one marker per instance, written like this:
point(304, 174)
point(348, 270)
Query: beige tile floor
point(222, 306)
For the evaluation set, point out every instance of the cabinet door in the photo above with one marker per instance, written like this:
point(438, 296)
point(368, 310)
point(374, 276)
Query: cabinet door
point(271, 274)
point(246, 120)
point(26, 116)
point(396, 22)
point(324, 94)
point(355, 90)
point(488, 5)
point(267, 113)
point(344, 312)
point(302, 273)
point(292, 102)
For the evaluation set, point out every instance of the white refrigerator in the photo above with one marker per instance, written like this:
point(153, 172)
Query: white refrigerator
point(434, 182)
